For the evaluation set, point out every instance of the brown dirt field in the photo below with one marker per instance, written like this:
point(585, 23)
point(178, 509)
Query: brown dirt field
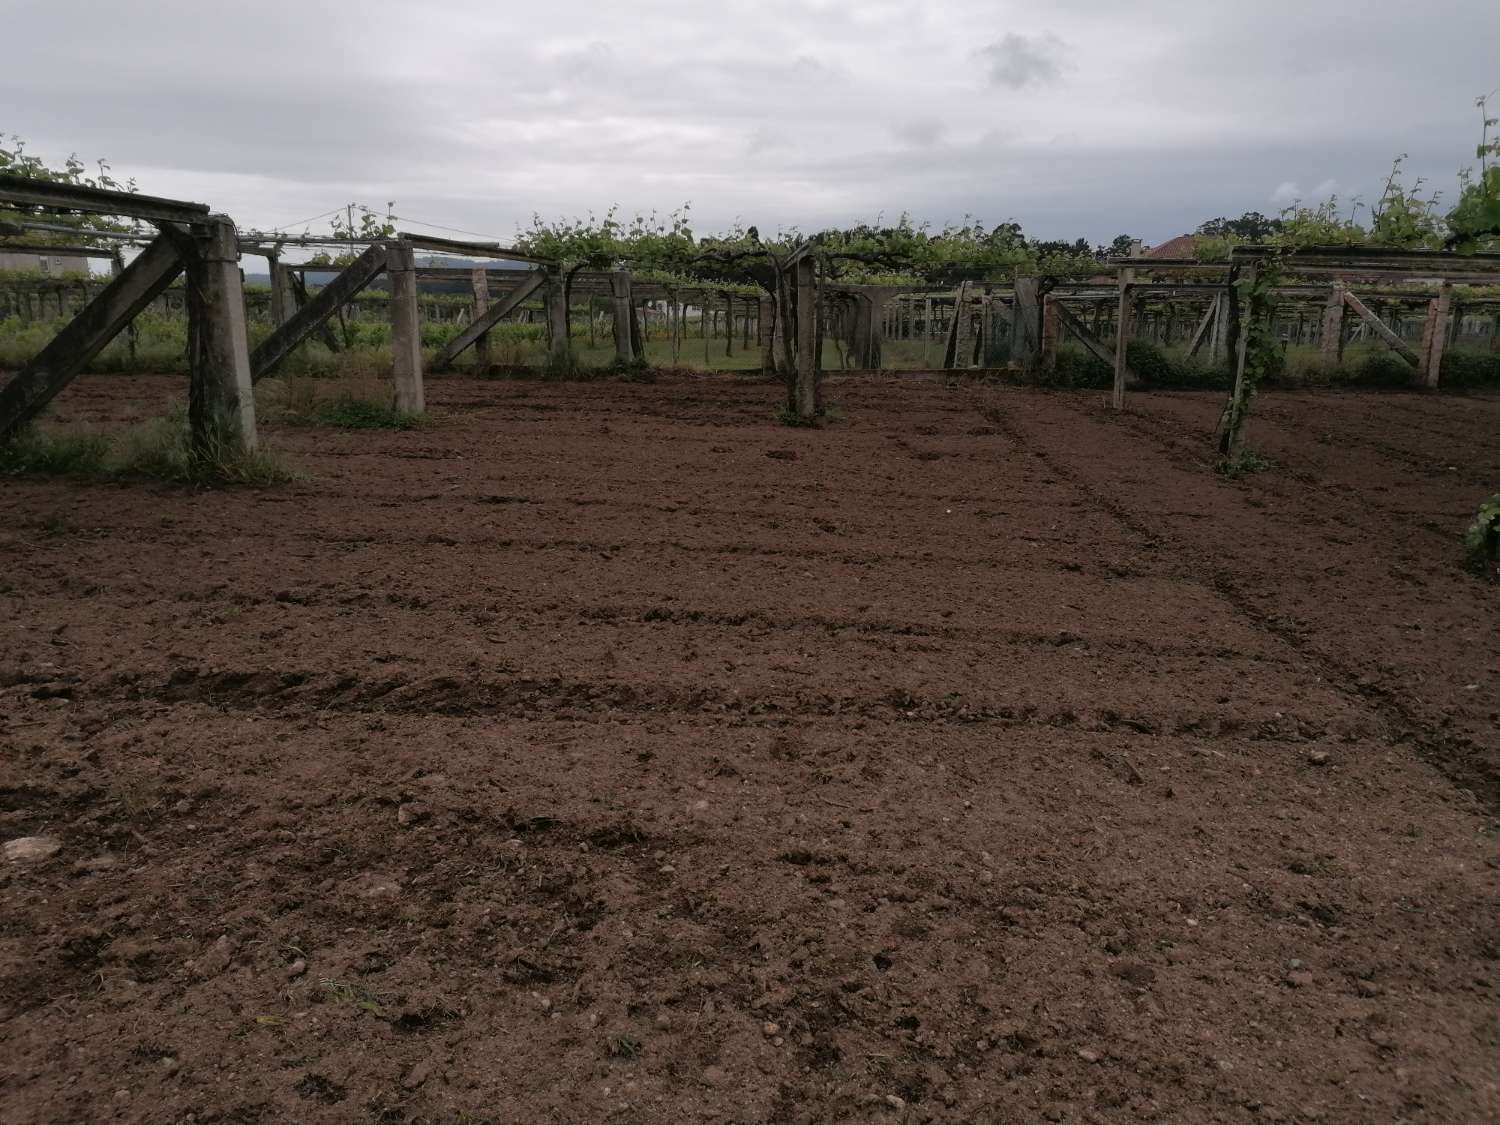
point(608, 752)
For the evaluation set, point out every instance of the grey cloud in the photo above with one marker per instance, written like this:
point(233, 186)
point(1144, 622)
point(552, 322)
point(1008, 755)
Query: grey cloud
point(783, 112)
point(1018, 61)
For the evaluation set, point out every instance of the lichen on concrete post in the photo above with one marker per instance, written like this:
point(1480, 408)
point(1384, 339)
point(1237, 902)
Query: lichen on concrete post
point(807, 337)
point(406, 333)
point(479, 287)
point(619, 291)
point(221, 395)
point(559, 346)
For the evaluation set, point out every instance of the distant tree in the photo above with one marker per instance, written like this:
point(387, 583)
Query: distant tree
point(1119, 248)
point(1058, 248)
point(1252, 226)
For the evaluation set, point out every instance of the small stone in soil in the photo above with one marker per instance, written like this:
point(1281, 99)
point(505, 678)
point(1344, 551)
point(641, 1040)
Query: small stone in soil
point(1318, 757)
point(1299, 978)
point(30, 849)
point(296, 968)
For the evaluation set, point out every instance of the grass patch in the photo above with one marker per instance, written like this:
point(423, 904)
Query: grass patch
point(361, 414)
point(349, 403)
point(159, 448)
point(35, 451)
point(163, 448)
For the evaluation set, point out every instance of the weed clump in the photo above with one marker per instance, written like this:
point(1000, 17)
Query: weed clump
point(1241, 464)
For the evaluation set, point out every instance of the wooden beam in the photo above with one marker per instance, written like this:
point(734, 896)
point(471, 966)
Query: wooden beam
point(277, 346)
point(88, 333)
point(473, 249)
point(59, 251)
point(1380, 329)
point(492, 316)
point(1201, 333)
point(23, 191)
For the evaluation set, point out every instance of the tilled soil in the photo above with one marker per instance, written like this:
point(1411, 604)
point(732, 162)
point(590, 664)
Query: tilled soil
point(608, 752)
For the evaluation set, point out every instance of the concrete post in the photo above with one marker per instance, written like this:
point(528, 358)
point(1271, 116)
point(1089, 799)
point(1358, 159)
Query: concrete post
point(406, 333)
point(281, 303)
point(221, 396)
point(1219, 340)
point(619, 291)
point(806, 281)
point(479, 299)
point(1124, 331)
point(1331, 340)
point(1051, 333)
point(1026, 326)
point(764, 323)
point(559, 346)
point(1434, 336)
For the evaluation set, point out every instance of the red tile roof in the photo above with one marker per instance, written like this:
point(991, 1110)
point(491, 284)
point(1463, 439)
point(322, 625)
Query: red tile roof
point(1179, 247)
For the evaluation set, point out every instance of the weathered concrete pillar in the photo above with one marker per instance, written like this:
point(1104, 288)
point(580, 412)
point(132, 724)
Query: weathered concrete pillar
point(1331, 337)
point(764, 324)
point(406, 332)
point(1124, 332)
point(221, 396)
point(619, 291)
point(1051, 334)
point(806, 281)
point(1434, 336)
point(479, 303)
point(1026, 326)
point(559, 346)
point(1219, 334)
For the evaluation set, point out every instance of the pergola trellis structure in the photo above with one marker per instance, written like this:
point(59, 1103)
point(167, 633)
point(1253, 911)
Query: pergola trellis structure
point(221, 401)
point(1323, 278)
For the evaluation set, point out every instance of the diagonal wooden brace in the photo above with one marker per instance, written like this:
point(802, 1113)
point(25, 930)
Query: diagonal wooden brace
point(492, 316)
point(88, 333)
point(306, 320)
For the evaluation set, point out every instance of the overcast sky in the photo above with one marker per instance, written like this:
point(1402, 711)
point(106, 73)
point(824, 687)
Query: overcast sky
point(1075, 118)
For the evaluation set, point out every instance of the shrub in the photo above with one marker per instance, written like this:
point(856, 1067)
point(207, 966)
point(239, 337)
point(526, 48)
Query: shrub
point(1078, 367)
point(1383, 369)
point(1160, 369)
point(1470, 369)
point(1483, 538)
